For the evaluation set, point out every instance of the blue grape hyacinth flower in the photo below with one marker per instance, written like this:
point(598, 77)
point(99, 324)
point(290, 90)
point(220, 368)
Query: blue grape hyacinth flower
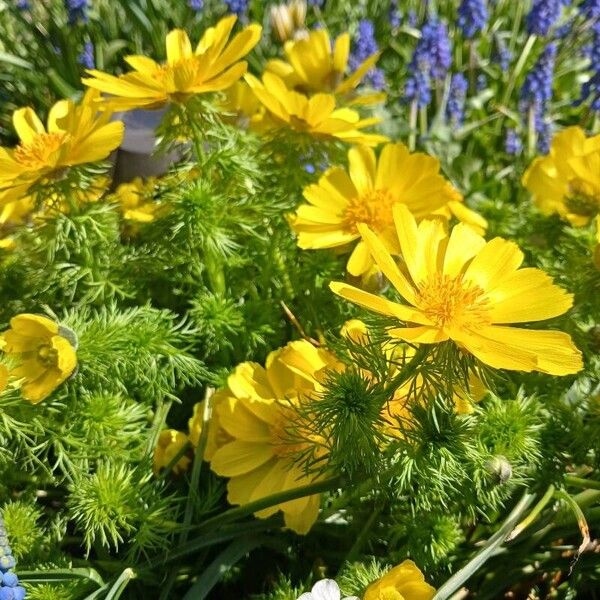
point(543, 16)
point(472, 17)
point(455, 109)
point(365, 45)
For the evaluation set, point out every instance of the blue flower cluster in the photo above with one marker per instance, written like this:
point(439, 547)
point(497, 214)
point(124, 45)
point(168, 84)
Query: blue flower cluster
point(77, 10)
point(512, 142)
point(591, 9)
point(395, 15)
point(365, 44)
point(543, 16)
point(22, 5)
point(455, 109)
point(591, 88)
point(536, 93)
point(502, 54)
point(9, 582)
point(237, 7)
point(430, 61)
point(196, 5)
point(86, 58)
point(472, 17)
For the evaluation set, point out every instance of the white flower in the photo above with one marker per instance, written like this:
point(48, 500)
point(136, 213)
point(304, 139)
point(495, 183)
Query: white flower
point(326, 589)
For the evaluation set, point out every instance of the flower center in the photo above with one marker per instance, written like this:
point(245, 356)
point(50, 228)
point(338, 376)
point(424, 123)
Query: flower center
point(47, 355)
point(583, 201)
point(41, 150)
point(452, 302)
point(179, 77)
point(285, 441)
point(373, 208)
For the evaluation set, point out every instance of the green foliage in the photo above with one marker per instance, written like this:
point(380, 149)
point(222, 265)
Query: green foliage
point(26, 535)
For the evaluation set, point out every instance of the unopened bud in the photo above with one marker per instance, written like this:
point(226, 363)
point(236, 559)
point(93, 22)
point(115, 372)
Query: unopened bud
point(298, 12)
point(282, 22)
point(499, 468)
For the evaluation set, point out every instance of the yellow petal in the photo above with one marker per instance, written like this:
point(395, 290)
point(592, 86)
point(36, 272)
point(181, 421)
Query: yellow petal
point(495, 262)
point(463, 245)
point(34, 325)
point(178, 46)
point(67, 358)
point(377, 303)
point(360, 260)
point(341, 51)
point(361, 161)
point(386, 263)
point(27, 124)
point(239, 457)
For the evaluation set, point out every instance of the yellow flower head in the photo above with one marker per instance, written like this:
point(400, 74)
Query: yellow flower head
point(567, 180)
point(47, 357)
point(316, 115)
point(213, 66)
point(75, 135)
point(241, 102)
point(255, 413)
point(315, 65)
point(403, 582)
point(12, 215)
point(366, 194)
point(170, 442)
point(459, 287)
point(136, 200)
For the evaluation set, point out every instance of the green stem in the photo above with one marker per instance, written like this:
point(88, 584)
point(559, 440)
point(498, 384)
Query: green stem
point(488, 550)
point(232, 514)
point(362, 536)
point(518, 68)
point(119, 587)
point(532, 516)
point(581, 482)
point(412, 125)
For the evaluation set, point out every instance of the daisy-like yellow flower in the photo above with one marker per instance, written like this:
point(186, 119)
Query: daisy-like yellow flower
point(45, 351)
point(256, 449)
point(367, 193)
point(170, 443)
point(316, 115)
point(567, 180)
point(213, 66)
point(315, 65)
point(403, 582)
point(75, 134)
point(459, 287)
point(136, 200)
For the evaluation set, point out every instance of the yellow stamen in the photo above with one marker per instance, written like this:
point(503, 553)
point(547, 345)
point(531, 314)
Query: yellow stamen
point(373, 208)
point(39, 151)
point(452, 302)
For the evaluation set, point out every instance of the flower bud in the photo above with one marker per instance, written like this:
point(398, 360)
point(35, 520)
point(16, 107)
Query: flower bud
point(499, 468)
point(297, 10)
point(282, 22)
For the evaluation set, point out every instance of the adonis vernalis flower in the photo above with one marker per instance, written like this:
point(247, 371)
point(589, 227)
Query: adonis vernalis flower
point(75, 134)
point(461, 288)
point(213, 66)
point(367, 193)
point(316, 115)
point(403, 582)
point(170, 443)
point(313, 65)
point(567, 181)
point(256, 449)
point(45, 351)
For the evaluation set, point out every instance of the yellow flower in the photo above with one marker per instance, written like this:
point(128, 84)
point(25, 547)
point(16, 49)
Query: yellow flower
point(47, 357)
point(241, 102)
point(136, 200)
point(403, 582)
point(397, 409)
point(567, 180)
point(75, 135)
point(170, 442)
point(257, 449)
point(461, 288)
point(213, 66)
point(314, 65)
point(367, 194)
point(316, 115)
